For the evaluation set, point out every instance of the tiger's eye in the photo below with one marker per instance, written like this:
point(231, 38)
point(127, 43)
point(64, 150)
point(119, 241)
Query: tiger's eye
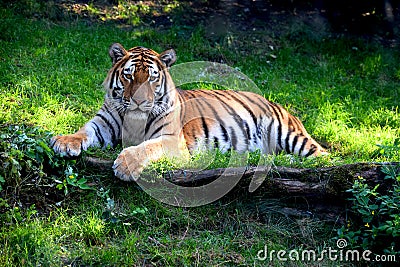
point(128, 76)
point(152, 78)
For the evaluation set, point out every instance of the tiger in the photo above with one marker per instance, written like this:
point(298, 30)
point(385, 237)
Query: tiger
point(152, 118)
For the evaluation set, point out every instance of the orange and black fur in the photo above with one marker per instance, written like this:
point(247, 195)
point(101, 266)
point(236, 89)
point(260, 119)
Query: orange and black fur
point(143, 108)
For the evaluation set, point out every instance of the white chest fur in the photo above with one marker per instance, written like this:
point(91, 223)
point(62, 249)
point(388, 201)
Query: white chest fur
point(133, 128)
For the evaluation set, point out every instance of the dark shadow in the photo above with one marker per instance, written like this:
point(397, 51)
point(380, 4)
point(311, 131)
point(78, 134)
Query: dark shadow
point(359, 17)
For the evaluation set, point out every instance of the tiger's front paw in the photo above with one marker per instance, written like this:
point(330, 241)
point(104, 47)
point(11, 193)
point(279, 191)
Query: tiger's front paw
point(129, 165)
point(69, 145)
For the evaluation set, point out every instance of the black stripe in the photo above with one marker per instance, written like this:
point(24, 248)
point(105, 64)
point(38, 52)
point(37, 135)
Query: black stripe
point(113, 117)
point(294, 142)
point(312, 150)
point(233, 138)
point(182, 108)
point(247, 129)
point(112, 78)
point(218, 118)
point(216, 142)
point(169, 134)
point(269, 134)
point(219, 93)
point(149, 62)
point(154, 120)
point(296, 122)
point(287, 147)
point(163, 85)
point(188, 94)
point(156, 131)
point(265, 105)
point(199, 106)
point(142, 60)
point(289, 133)
point(107, 111)
point(149, 122)
point(224, 133)
point(279, 126)
point(159, 128)
point(117, 122)
point(98, 134)
point(244, 105)
point(303, 145)
point(205, 127)
point(229, 109)
point(109, 125)
point(165, 98)
point(277, 107)
point(194, 136)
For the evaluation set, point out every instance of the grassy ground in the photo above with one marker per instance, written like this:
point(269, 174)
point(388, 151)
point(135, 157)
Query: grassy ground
point(345, 89)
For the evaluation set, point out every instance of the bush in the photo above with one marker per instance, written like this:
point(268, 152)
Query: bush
point(26, 160)
point(375, 224)
point(24, 153)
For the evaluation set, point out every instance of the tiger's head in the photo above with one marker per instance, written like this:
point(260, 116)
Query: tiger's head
point(139, 80)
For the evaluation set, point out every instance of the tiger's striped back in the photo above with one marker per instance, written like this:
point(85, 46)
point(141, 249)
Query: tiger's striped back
point(244, 121)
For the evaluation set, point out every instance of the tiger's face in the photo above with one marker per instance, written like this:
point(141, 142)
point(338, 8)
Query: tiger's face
point(137, 81)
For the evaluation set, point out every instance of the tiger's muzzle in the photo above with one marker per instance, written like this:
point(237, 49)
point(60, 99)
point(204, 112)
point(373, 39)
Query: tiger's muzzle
point(135, 104)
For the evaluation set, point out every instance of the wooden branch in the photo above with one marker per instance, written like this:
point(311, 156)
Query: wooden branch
point(282, 181)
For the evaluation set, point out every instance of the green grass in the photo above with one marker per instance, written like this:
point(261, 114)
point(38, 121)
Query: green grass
point(162, 235)
point(54, 74)
point(345, 90)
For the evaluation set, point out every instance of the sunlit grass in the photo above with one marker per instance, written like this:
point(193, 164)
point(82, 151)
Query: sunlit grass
point(332, 95)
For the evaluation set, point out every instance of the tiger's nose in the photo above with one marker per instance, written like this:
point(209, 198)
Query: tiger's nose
point(138, 101)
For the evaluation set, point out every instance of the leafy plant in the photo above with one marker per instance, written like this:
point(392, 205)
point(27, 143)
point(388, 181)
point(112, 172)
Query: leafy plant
point(18, 215)
point(114, 214)
point(24, 153)
point(71, 180)
point(390, 150)
point(376, 221)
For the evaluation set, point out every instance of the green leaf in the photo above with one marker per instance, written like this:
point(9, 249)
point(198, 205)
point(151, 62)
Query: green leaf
point(84, 186)
point(373, 207)
point(82, 181)
point(59, 186)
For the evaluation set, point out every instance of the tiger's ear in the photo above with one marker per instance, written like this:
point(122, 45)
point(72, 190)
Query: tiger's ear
point(116, 51)
point(168, 57)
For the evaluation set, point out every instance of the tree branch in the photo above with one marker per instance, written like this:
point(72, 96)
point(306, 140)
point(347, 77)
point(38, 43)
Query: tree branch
point(282, 181)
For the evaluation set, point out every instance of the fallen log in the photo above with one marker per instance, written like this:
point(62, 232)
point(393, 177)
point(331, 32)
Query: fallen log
point(328, 182)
